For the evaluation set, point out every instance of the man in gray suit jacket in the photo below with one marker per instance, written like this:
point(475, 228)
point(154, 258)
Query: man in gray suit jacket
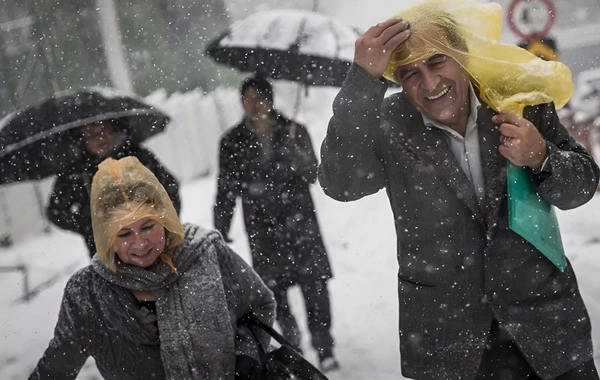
point(477, 301)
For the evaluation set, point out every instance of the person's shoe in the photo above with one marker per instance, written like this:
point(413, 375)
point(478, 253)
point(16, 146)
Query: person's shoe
point(328, 364)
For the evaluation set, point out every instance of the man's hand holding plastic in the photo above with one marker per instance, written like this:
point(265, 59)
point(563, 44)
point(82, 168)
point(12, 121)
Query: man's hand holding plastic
point(520, 142)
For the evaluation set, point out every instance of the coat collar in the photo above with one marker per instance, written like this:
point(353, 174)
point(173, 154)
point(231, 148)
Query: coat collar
point(439, 154)
point(430, 145)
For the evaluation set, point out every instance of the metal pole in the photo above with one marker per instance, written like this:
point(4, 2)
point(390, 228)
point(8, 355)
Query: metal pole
point(24, 273)
point(26, 77)
point(113, 46)
point(6, 238)
point(22, 86)
point(296, 110)
point(40, 202)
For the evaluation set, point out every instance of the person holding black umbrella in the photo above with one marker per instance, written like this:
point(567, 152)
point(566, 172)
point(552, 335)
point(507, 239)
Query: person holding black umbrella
point(67, 136)
point(69, 206)
point(271, 171)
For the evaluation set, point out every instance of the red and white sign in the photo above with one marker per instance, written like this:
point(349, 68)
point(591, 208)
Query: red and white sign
point(531, 19)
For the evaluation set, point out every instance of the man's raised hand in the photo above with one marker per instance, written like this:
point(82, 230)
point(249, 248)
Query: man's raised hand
point(374, 48)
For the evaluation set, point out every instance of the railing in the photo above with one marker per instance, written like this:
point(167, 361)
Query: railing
point(25, 273)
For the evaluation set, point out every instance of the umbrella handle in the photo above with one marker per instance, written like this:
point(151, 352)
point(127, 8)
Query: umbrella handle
point(293, 130)
point(296, 109)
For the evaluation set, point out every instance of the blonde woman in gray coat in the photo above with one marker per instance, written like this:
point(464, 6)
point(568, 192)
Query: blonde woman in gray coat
point(160, 300)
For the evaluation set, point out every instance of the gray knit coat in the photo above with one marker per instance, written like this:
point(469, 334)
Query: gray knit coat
point(100, 318)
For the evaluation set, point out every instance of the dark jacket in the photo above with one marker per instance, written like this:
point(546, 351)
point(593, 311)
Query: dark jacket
point(101, 319)
point(69, 205)
point(279, 214)
point(460, 265)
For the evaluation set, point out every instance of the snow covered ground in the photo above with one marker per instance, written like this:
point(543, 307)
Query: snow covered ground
point(361, 242)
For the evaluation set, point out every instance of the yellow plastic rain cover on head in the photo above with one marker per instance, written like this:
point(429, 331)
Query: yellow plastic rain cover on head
point(123, 192)
point(508, 77)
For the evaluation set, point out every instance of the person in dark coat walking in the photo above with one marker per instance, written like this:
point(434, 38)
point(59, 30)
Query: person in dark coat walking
point(477, 301)
point(271, 171)
point(69, 205)
point(160, 300)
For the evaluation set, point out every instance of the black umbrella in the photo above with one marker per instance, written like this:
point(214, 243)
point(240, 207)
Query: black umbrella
point(36, 142)
point(302, 46)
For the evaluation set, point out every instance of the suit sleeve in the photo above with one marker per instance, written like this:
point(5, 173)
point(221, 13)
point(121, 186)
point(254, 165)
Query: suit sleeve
point(572, 176)
point(165, 177)
point(350, 166)
point(69, 205)
point(248, 294)
point(228, 188)
point(65, 354)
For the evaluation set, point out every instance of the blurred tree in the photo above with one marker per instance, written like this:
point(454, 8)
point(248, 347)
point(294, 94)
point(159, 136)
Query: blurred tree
point(16, 46)
point(164, 43)
point(70, 41)
point(62, 39)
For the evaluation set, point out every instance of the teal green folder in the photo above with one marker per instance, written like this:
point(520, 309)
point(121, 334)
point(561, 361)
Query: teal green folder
point(532, 217)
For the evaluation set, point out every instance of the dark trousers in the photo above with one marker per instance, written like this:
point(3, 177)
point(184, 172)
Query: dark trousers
point(318, 310)
point(502, 360)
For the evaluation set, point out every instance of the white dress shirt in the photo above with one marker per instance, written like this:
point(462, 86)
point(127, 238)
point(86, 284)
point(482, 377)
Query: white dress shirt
point(466, 149)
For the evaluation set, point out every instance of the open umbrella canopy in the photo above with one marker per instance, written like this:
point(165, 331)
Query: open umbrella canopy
point(295, 45)
point(36, 142)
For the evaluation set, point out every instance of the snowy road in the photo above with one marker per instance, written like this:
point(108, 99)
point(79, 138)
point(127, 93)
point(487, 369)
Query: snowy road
point(361, 242)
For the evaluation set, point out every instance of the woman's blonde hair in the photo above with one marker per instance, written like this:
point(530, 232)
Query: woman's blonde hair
point(130, 188)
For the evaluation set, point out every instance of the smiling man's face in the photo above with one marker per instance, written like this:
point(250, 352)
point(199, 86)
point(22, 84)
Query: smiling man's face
point(439, 88)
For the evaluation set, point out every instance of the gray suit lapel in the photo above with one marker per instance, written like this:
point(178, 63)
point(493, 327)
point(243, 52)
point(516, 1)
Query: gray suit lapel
point(431, 146)
point(494, 165)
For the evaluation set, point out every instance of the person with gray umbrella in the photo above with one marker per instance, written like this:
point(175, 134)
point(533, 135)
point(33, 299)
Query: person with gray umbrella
point(271, 172)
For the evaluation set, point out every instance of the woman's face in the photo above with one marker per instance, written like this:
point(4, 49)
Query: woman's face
point(140, 243)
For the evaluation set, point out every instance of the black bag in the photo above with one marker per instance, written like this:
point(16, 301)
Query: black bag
point(283, 363)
